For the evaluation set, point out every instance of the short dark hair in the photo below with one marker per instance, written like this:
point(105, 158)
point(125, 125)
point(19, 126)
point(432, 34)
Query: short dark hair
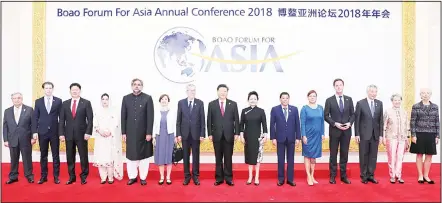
point(75, 84)
point(337, 80)
point(162, 96)
point(47, 83)
point(284, 93)
point(104, 95)
point(311, 92)
point(253, 93)
point(222, 86)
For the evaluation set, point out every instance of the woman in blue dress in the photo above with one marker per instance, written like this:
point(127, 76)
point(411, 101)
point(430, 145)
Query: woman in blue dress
point(312, 131)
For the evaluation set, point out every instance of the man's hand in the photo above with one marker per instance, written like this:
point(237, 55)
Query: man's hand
point(35, 136)
point(241, 138)
point(304, 139)
point(358, 139)
point(297, 142)
point(274, 142)
point(33, 141)
point(86, 137)
point(210, 137)
point(6, 144)
point(339, 126)
point(148, 137)
point(124, 137)
point(62, 138)
point(347, 126)
point(236, 137)
point(201, 139)
point(179, 138)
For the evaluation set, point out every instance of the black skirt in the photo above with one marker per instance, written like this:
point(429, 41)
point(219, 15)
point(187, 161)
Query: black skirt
point(425, 144)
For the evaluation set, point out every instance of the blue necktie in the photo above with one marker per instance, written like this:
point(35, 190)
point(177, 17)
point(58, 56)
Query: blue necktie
point(341, 105)
point(190, 106)
point(285, 114)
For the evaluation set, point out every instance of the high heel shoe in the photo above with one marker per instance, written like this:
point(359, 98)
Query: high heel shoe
point(429, 182)
point(161, 182)
point(249, 182)
point(256, 182)
point(421, 181)
point(168, 181)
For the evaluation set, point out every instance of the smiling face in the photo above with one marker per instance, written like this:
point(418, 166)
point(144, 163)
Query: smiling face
point(253, 100)
point(312, 98)
point(105, 101)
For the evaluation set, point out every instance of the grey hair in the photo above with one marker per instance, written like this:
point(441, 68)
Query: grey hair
point(372, 86)
point(189, 86)
point(425, 89)
point(135, 80)
point(396, 95)
point(15, 93)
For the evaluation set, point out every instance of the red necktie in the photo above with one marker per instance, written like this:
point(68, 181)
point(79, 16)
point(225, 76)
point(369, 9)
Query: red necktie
point(222, 109)
point(74, 109)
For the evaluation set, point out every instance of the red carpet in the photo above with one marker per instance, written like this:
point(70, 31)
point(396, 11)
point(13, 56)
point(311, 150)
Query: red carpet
point(411, 191)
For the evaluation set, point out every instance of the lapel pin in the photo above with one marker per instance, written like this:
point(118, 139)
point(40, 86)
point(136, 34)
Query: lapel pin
point(229, 103)
point(24, 109)
point(140, 105)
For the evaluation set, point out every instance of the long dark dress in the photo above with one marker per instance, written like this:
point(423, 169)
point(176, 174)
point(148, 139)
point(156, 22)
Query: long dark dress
point(137, 114)
point(251, 121)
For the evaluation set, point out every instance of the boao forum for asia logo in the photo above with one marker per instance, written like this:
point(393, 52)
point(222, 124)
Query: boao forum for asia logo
point(181, 53)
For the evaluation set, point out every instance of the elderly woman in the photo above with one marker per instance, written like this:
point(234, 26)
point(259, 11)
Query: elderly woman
point(396, 127)
point(425, 134)
point(164, 138)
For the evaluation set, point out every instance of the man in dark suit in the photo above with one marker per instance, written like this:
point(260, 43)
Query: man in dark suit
point(191, 129)
point(47, 110)
point(76, 121)
point(223, 130)
point(285, 133)
point(17, 135)
point(339, 114)
point(369, 126)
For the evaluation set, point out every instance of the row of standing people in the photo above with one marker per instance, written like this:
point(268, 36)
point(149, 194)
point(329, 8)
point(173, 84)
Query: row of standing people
point(286, 131)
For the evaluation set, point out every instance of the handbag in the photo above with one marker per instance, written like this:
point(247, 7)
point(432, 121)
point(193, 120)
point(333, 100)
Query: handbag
point(177, 154)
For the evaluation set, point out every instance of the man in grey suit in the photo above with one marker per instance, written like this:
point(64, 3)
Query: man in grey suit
point(369, 127)
point(17, 136)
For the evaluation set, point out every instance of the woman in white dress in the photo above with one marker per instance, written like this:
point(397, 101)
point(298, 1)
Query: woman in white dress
point(108, 147)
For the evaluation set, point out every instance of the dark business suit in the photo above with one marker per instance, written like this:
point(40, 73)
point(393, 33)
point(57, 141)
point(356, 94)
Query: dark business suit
point(74, 130)
point(19, 135)
point(337, 138)
point(369, 128)
point(191, 126)
point(47, 129)
point(286, 132)
point(223, 129)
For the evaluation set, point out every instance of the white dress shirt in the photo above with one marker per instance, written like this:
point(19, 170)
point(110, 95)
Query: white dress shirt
point(72, 103)
point(17, 112)
point(337, 100)
point(223, 104)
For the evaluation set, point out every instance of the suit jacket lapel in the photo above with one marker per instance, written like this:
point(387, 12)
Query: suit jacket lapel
point(346, 104)
point(367, 107)
point(52, 105)
point(227, 104)
point(22, 113)
point(336, 103)
point(281, 112)
point(217, 104)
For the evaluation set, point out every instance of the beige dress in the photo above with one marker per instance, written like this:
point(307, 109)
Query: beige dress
point(108, 150)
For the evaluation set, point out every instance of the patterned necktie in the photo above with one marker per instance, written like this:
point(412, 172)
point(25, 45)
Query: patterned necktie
point(222, 109)
point(190, 106)
point(372, 108)
point(74, 109)
point(341, 105)
point(285, 114)
point(48, 105)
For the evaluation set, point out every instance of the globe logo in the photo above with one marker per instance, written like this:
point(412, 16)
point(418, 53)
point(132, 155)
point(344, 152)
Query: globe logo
point(178, 54)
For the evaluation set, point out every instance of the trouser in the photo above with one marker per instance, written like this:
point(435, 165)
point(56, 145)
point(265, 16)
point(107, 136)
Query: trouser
point(368, 156)
point(44, 141)
point(71, 146)
point(26, 153)
point(341, 142)
point(395, 152)
point(191, 145)
point(141, 165)
point(106, 172)
point(223, 159)
point(286, 149)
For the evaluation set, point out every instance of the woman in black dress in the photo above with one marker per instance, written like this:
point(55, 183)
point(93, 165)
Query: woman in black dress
point(252, 118)
point(425, 132)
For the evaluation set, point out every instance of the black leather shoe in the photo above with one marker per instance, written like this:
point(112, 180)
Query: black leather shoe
point(364, 181)
point(291, 183)
point(196, 181)
point(373, 180)
point(70, 181)
point(131, 181)
point(42, 180)
point(83, 181)
point(169, 182)
point(345, 180)
point(230, 183)
point(280, 183)
point(110, 181)
point(11, 181)
point(103, 182)
point(56, 180)
point(332, 180)
point(186, 181)
point(218, 183)
point(143, 182)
